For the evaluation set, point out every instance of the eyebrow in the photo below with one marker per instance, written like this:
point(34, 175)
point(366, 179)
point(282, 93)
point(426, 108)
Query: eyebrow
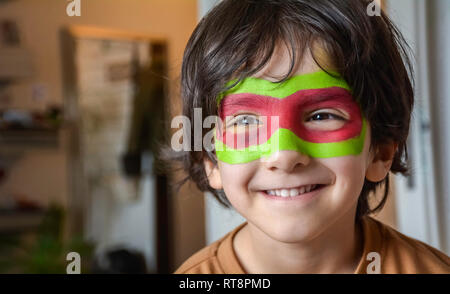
point(323, 96)
point(246, 101)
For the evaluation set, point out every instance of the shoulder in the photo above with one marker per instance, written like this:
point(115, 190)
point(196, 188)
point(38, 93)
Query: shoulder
point(203, 262)
point(213, 258)
point(403, 254)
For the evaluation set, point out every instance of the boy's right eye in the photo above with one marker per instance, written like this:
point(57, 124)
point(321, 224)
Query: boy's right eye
point(244, 120)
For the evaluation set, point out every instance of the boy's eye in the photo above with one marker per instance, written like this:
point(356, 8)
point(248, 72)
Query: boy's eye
point(325, 120)
point(324, 116)
point(244, 120)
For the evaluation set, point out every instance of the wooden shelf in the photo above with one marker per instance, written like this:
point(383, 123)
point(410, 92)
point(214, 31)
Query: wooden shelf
point(29, 138)
point(20, 220)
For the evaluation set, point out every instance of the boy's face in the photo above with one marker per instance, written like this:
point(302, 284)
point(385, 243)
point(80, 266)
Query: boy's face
point(314, 114)
point(255, 186)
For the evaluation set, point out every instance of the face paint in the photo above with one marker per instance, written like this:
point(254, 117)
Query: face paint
point(256, 104)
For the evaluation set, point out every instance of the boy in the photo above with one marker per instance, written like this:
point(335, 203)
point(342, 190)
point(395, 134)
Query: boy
point(335, 82)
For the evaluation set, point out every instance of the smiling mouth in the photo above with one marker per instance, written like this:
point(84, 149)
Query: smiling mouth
point(294, 192)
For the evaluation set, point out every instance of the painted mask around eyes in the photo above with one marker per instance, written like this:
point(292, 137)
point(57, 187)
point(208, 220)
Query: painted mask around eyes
point(313, 113)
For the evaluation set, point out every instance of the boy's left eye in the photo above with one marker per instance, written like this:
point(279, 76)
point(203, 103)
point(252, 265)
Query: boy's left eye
point(325, 120)
point(324, 116)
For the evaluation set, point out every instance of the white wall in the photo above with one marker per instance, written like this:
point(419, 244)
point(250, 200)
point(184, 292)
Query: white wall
point(219, 220)
point(422, 201)
point(203, 6)
point(439, 57)
point(131, 224)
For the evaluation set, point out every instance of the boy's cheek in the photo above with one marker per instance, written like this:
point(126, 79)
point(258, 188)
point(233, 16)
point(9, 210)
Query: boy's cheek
point(349, 170)
point(348, 178)
point(349, 167)
point(237, 175)
point(235, 179)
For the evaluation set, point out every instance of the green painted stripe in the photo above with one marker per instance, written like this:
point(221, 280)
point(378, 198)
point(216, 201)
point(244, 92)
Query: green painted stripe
point(287, 140)
point(315, 80)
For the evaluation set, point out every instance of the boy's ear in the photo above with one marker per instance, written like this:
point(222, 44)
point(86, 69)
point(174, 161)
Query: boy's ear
point(213, 174)
point(381, 162)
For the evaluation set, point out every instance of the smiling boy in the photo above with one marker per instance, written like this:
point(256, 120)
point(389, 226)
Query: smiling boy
point(335, 81)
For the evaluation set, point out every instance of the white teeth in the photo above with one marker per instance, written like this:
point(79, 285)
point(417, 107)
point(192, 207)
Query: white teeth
point(302, 190)
point(291, 192)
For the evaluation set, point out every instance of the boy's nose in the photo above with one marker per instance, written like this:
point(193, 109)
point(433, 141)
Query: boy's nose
point(286, 160)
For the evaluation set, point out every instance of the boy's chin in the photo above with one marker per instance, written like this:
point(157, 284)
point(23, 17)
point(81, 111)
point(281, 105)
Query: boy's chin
point(293, 232)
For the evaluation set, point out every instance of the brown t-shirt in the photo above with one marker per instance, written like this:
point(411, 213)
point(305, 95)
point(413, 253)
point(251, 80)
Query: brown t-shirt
point(398, 254)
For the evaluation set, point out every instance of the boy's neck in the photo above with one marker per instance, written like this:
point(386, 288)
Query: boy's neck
point(336, 250)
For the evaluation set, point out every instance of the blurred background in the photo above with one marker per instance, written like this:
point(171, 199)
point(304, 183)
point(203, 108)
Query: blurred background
point(85, 89)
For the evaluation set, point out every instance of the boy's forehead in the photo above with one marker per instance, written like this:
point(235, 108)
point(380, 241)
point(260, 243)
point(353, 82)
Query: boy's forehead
point(306, 74)
point(281, 59)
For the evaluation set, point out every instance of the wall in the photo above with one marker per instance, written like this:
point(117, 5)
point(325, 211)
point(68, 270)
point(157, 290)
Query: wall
point(43, 175)
point(422, 199)
point(439, 58)
point(40, 23)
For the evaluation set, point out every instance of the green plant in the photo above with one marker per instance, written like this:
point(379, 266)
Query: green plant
point(46, 251)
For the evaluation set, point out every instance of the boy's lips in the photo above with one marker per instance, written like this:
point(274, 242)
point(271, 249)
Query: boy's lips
point(295, 186)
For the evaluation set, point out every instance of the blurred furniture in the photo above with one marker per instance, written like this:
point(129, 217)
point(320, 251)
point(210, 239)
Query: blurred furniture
point(115, 195)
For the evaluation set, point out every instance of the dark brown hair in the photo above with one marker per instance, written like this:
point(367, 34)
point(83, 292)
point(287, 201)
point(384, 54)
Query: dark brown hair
point(237, 39)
